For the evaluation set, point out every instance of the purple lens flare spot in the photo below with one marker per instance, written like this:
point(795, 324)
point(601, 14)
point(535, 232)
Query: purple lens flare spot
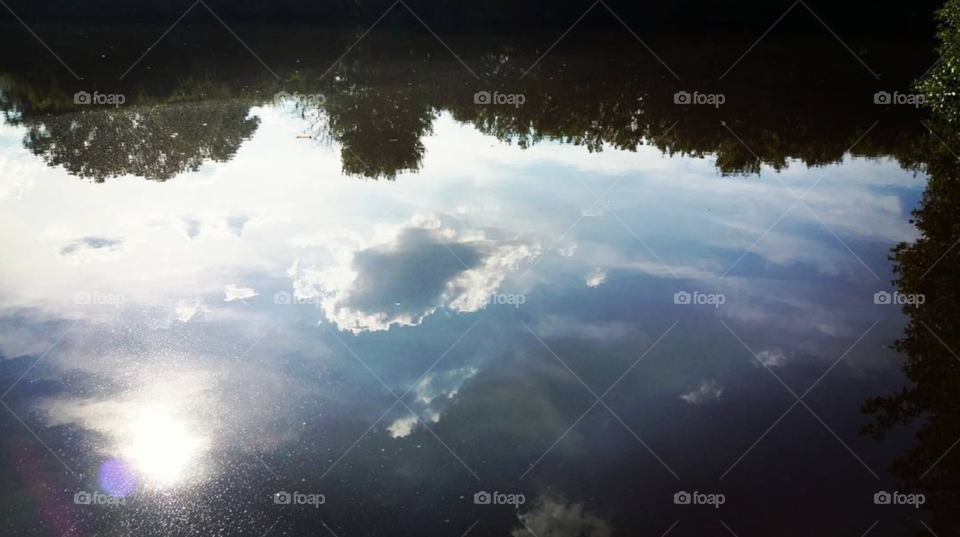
point(117, 478)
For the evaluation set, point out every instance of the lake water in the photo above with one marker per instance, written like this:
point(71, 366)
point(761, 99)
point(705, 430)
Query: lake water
point(217, 306)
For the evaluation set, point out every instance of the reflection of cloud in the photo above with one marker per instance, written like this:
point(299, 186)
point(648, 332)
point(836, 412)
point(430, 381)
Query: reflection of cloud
point(605, 258)
point(17, 340)
point(192, 226)
point(801, 310)
point(568, 251)
point(233, 292)
point(235, 224)
point(215, 226)
point(401, 283)
point(557, 518)
point(783, 248)
point(91, 249)
point(709, 391)
point(772, 358)
point(432, 393)
point(402, 427)
point(411, 275)
point(446, 384)
point(595, 278)
point(557, 326)
point(186, 310)
point(17, 175)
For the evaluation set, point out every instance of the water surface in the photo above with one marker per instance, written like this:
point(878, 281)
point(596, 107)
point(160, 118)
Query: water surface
point(398, 298)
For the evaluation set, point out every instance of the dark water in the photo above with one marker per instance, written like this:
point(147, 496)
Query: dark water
point(393, 296)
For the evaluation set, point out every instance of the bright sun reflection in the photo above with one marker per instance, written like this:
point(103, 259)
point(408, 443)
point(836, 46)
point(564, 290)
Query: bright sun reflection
point(160, 447)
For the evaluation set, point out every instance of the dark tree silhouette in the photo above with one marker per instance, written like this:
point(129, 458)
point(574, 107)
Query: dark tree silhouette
point(942, 84)
point(383, 99)
point(380, 129)
point(154, 142)
point(931, 266)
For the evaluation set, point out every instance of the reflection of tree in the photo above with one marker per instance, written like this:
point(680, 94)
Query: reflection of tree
point(380, 129)
point(930, 266)
point(383, 100)
point(155, 142)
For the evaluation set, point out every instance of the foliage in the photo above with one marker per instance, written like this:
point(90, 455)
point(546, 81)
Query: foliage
point(941, 86)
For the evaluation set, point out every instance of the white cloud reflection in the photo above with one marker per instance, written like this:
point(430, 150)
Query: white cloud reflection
point(405, 279)
point(709, 391)
point(556, 517)
point(433, 393)
point(234, 292)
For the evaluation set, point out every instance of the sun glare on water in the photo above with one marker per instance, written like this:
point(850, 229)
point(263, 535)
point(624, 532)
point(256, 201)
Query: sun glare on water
point(161, 448)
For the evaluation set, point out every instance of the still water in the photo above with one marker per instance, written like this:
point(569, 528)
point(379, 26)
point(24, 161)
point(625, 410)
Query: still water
point(357, 311)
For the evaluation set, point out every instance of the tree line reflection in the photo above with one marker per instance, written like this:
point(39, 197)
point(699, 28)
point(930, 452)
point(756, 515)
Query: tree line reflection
point(379, 117)
point(931, 266)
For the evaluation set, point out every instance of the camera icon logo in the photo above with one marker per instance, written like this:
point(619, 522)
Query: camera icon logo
point(881, 297)
point(682, 297)
point(481, 498)
point(681, 97)
point(881, 498)
point(82, 498)
point(81, 97)
point(881, 97)
point(681, 498)
point(282, 498)
point(282, 297)
point(481, 97)
point(82, 297)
